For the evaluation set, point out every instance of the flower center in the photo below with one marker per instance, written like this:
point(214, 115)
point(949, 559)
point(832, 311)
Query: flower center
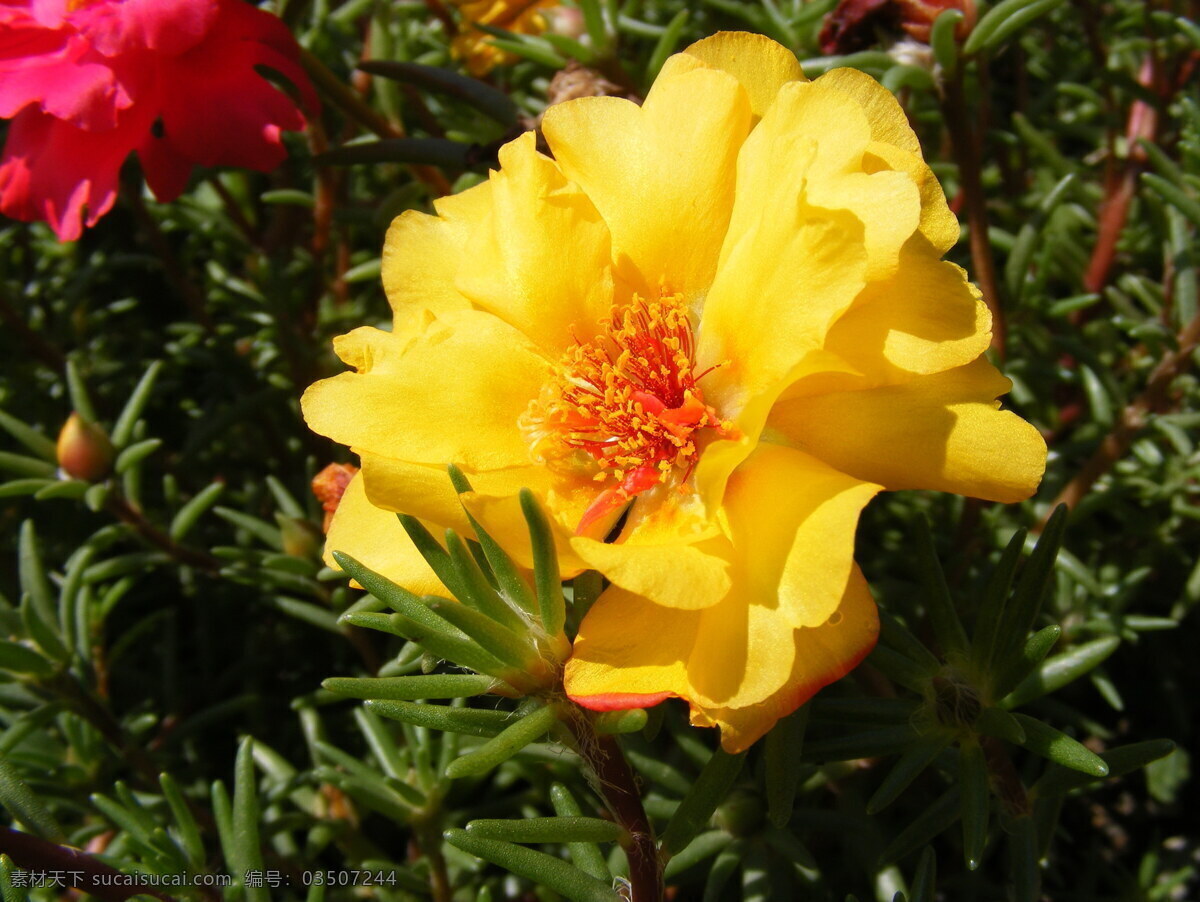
point(626, 406)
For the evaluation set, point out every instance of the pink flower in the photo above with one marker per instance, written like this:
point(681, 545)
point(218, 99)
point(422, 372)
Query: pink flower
point(85, 83)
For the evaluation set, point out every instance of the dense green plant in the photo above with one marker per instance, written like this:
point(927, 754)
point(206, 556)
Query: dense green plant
point(179, 671)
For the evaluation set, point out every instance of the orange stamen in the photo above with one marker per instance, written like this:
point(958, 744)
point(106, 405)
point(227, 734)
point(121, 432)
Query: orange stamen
point(627, 404)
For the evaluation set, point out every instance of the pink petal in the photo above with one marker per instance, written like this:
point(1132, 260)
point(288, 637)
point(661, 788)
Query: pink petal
point(220, 111)
point(53, 171)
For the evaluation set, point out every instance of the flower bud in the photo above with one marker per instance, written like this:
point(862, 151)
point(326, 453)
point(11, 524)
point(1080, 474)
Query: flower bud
point(329, 485)
point(84, 451)
point(742, 813)
point(300, 538)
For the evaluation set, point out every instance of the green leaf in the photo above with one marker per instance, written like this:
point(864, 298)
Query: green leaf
point(546, 829)
point(451, 573)
point(8, 892)
point(999, 723)
point(791, 848)
point(1024, 873)
point(551, 604)
point(247, 853)
point(935, 819)
point(427, 151)
point(725, 866)
point(20, 465)
point(943, 42)
point(614, 722)
point(924, 883)
point(1032, 587)
point(703, 847)
point(39, 608)
point(503, 644)
point(188, 515)
point(702, 799)
point(1003, 20)
point(508, 577)
point(973, 788)
point(81, 401)
point(24, 806)
point(666, 44)
point(407, 688)
point(938, 602)
point(29, 437)
point(472, 721)
point(784, 745)
point(991, 606)
point(1122, 760)
point(135, 454)
point(1174, 196)
point(416, 622)
point(1054, 745)
point(900, 668)
point(123, 430)
point(544, 870)
point(478, 592)
point(185, 823)
point(18, 658)
point(493, 103)
point(865, 744)
point(1027, 239)
point(1036, 648)
point(586, 855)
point(1061, 670)
point(505, 744)
point(397, 797)
point(911, 764)
point(898, 638)
point(269, 535)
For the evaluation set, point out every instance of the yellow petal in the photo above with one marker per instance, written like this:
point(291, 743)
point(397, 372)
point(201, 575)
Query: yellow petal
point(376, 539)
point(425, 492)
point(673, 575)
point(422, 253)
point(728, 654)
point(631, 654)
point(792, 519)
point(759, 64)
point(539, 259)
point(942, 432)
point(452, 394)
point(661, 175)
point(888, 121)
point(926, 319)
point(824, 654)
point(890, 129)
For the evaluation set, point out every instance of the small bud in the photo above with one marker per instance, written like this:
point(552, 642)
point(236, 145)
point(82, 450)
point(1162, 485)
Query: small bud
point(566, 21)
point(84, 451)
point(300, 538)
point(329, 485)
point(742, 813)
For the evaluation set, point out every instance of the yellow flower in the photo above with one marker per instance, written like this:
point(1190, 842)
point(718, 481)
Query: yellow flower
point(475, 45)
point(705, 334)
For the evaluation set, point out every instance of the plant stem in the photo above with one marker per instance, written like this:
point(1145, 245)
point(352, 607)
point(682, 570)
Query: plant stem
point(131, 516)
point(965, 141)
point(618, 787)
point(349, 102)
point(36, 854)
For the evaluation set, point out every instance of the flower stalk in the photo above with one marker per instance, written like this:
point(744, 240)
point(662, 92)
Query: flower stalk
point(617, 785)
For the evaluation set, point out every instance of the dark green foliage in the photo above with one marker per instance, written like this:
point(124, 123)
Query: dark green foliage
point(187, 689)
